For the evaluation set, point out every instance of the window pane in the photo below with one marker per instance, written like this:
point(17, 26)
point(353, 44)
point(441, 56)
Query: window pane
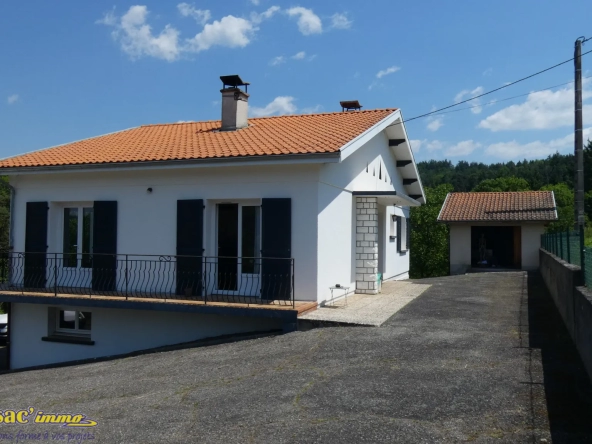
point(84, 320)
point(67, 319)
point(251, 245)
point(87, 229)
point(70, 236)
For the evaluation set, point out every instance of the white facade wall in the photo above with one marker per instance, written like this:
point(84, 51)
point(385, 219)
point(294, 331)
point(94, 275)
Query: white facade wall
point(359, 171)
point(531, 242)
point(147, 221)
point(460, 248)
point(118, 331)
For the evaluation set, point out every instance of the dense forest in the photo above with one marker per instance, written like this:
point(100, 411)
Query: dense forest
point(429, 239)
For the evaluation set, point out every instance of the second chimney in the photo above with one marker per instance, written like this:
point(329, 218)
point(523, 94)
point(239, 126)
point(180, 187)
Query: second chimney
point(235, 103)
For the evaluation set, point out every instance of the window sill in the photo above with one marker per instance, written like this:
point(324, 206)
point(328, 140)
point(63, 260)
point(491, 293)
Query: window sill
point(68, 339)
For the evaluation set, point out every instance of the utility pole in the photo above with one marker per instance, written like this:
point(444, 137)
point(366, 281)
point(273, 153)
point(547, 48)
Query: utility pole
point(579, 149)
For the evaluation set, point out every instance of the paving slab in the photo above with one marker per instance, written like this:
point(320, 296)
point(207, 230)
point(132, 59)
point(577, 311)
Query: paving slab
point(368, 309)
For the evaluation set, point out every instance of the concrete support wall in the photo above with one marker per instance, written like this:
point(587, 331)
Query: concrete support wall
point(573, 301)
point(366, 245)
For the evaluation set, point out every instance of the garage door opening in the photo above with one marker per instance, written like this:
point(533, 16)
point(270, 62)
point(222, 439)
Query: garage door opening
point(496, 247)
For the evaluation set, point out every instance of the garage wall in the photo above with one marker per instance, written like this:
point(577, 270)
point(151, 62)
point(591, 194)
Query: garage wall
point(460, 248)
point(531, 243)
point(118, 331)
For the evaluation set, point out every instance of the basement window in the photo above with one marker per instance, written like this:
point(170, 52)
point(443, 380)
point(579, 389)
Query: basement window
point(69, 325)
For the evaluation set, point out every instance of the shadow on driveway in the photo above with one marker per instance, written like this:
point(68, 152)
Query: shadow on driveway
point(567, 386)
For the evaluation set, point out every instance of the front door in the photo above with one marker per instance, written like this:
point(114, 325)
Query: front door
point(238, 249)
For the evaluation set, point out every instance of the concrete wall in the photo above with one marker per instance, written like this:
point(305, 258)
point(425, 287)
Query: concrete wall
point(574, 302)
point(531, 241)
point(117, 331)
point(460, 248)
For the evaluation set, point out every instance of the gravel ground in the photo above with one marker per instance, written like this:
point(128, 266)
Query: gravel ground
point(475, 358)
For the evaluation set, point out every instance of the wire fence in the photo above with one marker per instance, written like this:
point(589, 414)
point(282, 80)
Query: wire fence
point(566, 245)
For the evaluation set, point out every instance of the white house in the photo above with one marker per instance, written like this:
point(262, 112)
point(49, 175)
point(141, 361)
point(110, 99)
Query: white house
point(497, 230)
point(170, 233)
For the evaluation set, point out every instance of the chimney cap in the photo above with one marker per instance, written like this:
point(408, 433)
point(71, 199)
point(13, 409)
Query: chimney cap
point(233, 80)
point(348, 105)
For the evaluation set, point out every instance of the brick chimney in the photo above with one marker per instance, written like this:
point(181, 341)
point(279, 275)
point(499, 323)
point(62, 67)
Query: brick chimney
point(235, 103)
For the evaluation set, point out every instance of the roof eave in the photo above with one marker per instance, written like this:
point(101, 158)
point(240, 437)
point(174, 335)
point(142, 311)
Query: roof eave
point(275, 159)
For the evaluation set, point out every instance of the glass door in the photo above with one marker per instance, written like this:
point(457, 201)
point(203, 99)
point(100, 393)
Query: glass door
point(76, 261)
point(238, 247)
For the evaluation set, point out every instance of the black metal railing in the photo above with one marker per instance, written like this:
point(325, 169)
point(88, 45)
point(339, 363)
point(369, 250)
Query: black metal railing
point(253, 280)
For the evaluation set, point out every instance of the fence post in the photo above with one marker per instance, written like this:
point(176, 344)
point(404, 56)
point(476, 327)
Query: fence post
point(567, 241)
point(560, 245)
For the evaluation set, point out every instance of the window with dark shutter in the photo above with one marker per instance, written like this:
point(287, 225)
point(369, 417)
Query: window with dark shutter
point(408, 234)
point(36, 245)
point(190, 247)
point(276, 245)
point(399, 234)
point(104, 257)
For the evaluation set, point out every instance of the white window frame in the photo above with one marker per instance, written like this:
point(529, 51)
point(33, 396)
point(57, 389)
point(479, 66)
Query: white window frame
point(76, 331)
point(80, 207)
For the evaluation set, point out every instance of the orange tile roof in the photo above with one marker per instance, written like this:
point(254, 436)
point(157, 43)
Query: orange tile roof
point(499, 207)
point(293, 134)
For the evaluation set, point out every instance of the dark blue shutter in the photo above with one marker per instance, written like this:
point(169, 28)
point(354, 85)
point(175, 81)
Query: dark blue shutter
point(276, 249)
point(399, 234)
point(190, 247)
point(407, 234)
point(104, 257)
point(36, 245)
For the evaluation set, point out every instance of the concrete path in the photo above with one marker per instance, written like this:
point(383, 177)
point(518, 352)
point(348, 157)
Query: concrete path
point(366, 309)
point(478, 358)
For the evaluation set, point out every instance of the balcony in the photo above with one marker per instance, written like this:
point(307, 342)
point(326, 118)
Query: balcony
point(197, 280)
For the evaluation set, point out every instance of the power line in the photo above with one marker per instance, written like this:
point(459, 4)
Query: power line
point(492, 91)
point(493, 102)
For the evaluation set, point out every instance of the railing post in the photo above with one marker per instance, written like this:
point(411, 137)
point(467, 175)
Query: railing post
point(126, 278)
point(293, 288)
point(560, 244)
point(55, 274)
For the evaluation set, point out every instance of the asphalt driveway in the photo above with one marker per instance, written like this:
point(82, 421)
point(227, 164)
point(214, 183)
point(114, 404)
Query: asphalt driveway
point(476, 358)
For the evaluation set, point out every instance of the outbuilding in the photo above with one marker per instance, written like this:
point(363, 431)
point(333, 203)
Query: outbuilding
point(496, 230)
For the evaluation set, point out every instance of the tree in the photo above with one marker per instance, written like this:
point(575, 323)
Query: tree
point(564, 200)
point(429, 238)
point(503, 184)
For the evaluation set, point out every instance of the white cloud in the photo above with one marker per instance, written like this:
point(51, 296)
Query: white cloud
point(299, 55)
point(386, 72)
point(430, 145)
point(487, 72)
point(541, 110)
point(136, 38)
point(312, 109)
point(230, 31)
point(277, 60)
point(536, 149)
point(201, 16)
point(278, 106)
point(463, 148)
point(340, 21)
point(465, 94)
point(266, 15)
point(255, 2)
point(435, 124)
point(308, 22)
point(12, 99)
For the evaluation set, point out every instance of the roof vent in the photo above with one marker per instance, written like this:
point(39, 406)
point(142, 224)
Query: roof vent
point(235, 103)
point(350, 105)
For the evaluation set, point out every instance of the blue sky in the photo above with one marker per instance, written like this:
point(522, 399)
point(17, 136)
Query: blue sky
point(72, 70)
